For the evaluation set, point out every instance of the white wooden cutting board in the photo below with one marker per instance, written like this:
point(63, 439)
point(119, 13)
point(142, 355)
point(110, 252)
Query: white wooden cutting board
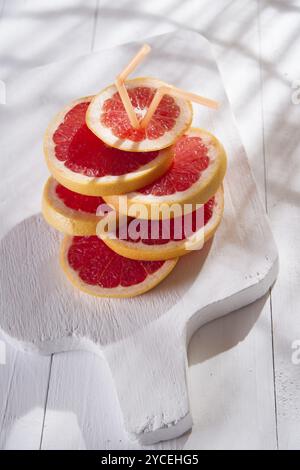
point(144, 339)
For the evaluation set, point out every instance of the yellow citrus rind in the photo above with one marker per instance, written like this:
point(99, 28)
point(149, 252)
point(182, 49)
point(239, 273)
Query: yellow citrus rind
point(63, 218)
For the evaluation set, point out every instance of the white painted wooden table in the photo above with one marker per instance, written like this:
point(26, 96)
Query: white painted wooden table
point(251, 397)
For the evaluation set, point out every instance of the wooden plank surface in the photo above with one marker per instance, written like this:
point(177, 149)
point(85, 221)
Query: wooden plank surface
point(83, 403)
point(34, 33)
point(24, 384)
point(280, 70)
point(247, 43)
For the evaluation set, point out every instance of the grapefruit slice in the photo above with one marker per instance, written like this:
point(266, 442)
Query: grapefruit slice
point(97, 270)
point(107, 117)
point(196, 173)
point(69, 212)
point(166, 239)
point(83, 163)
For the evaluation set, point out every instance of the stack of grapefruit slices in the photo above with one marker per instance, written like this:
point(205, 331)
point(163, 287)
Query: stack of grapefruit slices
point(130, 201)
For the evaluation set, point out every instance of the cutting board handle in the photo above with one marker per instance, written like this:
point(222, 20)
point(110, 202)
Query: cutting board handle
point(149, 370)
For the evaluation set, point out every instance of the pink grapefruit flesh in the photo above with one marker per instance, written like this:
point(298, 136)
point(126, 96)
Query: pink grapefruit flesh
point(191, 158)
point(78, 202)
point(194, 176)
point(108, 119)
point(171, 229)
point(69, 212)
point(84, 163)
point(97, 264)
point(96, 269)
point(166, 238)
point(115, 117)
point(83, 152)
